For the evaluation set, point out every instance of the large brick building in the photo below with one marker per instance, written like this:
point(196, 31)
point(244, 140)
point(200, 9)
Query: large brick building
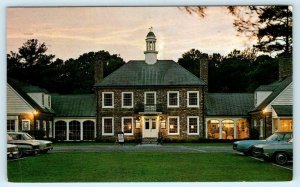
point(149, 98)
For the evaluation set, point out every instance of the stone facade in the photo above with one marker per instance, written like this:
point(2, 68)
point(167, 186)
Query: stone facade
point(183, 111)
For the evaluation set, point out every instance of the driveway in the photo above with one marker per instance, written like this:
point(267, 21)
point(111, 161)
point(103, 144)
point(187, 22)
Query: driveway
point(141, 148)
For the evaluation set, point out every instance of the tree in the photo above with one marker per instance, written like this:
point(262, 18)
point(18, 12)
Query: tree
point(271, 25)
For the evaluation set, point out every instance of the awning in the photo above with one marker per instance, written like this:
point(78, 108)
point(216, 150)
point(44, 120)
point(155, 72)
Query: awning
point(283, 110)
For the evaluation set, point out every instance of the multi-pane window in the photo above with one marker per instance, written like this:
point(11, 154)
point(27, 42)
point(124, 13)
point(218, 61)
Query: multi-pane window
point(150, 98)
point(173, 99)
point(193, 99)
point(25, 125)
point(88, 130)
point(107, 126)
point(173, 124)
point(60, 130)
point(74, 130)
point(11, 127)
point(107, 100)
point(127, 100)
point(193, 125)
point(127, 124)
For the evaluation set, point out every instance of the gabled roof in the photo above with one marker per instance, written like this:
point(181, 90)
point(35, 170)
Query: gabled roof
point(18, 87)
point(162, 73)
point(228, 104)
point(278, 87)
point(283, 110)
point(74, 105)
point(27, 88)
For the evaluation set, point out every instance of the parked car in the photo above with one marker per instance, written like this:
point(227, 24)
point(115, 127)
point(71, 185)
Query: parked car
point(278, 153)
point(26, 147)
point(12, 151)
point(246, 146)
point(44, 147)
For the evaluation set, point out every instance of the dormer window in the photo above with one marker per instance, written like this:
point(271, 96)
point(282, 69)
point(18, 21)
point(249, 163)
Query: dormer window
point(49, 101)
point(43, 100)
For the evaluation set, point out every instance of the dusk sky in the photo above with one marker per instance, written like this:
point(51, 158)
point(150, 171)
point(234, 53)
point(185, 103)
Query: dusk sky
point(70, 32)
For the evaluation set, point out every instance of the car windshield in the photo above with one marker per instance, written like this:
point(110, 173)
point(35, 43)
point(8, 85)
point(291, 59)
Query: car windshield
point(275, 137)
point(27, 136)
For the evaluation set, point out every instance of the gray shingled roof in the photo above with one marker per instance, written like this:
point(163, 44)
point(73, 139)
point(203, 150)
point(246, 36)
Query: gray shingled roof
point(23, 88)
point(228, 104)
point(283, 110)
point(162, 73)
point(74, 105)
point(278, 87)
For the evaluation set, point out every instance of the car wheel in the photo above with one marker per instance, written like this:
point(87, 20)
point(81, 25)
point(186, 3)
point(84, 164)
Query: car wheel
point(248, 152)
point(281, 158)
point(20, 154)
point(254, 153)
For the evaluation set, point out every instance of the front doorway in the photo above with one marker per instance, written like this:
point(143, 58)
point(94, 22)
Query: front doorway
point(150, 127)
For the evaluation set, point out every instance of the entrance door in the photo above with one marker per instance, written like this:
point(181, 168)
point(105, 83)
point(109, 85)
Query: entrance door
point(150, 127)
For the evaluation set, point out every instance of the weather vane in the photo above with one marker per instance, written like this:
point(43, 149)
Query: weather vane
point(151, 29)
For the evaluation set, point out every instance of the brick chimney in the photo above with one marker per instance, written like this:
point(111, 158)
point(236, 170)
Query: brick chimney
point(98, 76)
point(204, 67)
point(285, 66)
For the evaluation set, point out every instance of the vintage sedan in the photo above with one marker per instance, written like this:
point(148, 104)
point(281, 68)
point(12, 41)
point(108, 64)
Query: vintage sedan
point(25, 147)
point(246, 146)
point(278, 153)
point(44, 147)
point(12, 151)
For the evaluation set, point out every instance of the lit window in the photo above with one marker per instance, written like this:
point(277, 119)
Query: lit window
point(107, 100)
point(213, 129)
point(173, 99)
point(173, 124)
point(193, 99)
point(193, 125)
point(107, 126)
point(25, 125)
point(127, 125)
point(127, 101)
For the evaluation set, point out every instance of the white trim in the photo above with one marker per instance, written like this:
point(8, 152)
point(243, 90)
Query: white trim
point(188, 125)
point(188, 99)
point(113, 126)
point(173, 106)
point(145, 93)
point(132, 125)
point(131, 106)
point(112, 93)
point(261, 128)
point(29, 105)
point(178, 125)
point(26, 120)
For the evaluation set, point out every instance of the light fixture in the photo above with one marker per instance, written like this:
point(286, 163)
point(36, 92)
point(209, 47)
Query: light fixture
point(192, 127)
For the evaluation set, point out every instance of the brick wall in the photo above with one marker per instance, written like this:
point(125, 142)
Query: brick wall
point(161, 98)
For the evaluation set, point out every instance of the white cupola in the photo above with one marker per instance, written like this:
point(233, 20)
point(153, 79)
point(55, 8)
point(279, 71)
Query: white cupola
point(150, 53)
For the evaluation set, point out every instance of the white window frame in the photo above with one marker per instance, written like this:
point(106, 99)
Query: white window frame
point(132, 127)
point(113, 126)
point(25, 120)
point(178, 124)
point(188, 99)
point(188, 125)
point(168, 97)
point(113, 100)
point(131, 106)
point(145, 93)
point(37, 123)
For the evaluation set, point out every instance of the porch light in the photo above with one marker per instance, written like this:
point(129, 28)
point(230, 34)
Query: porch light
point(35, 113)
point(265, 110)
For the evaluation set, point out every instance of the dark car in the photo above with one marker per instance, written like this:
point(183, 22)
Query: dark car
point(279, 153)
point(246, 146)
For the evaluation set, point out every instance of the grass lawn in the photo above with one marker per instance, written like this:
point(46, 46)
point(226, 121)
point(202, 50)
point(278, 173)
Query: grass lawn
point(143, 167)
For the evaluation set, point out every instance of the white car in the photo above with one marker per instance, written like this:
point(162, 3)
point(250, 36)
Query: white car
point(44, 145)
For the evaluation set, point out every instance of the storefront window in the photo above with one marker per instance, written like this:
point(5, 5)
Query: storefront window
point(213, 129)
point(227, 129)
point(242, 129)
